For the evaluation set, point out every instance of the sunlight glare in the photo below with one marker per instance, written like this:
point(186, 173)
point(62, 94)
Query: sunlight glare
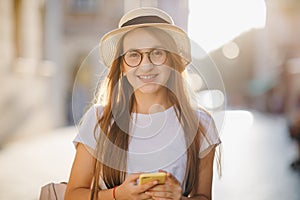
point(233, 121)
point(231, 50)
point(214, 23)
point(211, 99)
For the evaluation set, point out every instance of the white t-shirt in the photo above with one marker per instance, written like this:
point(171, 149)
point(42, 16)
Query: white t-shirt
point(156, 142)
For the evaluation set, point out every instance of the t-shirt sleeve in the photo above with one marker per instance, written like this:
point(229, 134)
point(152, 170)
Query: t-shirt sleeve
point(85, 133)
point(210, 138)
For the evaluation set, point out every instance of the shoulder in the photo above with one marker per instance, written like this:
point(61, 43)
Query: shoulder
point(91, 117)
point(86, 129)
point(210, 136)
point(93, 111)
point(97, 108)
point(204, 117)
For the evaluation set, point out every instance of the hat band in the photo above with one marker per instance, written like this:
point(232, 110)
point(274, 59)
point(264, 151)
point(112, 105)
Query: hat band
point(145, 20)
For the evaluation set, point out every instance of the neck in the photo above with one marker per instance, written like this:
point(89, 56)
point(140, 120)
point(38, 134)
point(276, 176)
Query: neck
point(152, 102)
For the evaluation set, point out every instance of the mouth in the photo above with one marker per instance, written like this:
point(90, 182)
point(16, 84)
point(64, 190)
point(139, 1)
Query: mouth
point(147, 78)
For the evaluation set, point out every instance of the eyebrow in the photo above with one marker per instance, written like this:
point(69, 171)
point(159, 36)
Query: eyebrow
point(155, 47)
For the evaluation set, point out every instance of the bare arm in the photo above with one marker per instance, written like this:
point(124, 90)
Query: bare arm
point(79, 184)
point(81, 174)
point(203, 187)
point(81, 177)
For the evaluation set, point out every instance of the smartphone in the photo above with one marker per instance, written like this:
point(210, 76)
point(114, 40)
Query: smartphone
point(159, 176)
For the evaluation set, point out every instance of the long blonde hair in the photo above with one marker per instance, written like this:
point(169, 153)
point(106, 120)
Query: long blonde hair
point(118, 108)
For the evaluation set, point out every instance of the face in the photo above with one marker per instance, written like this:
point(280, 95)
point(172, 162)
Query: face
point(146, 77)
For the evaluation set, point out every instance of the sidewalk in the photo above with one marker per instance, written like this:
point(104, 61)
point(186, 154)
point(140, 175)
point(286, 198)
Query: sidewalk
point(28, 164)
point(257, 160)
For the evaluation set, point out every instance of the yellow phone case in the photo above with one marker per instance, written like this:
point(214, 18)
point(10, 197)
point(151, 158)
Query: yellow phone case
point(159, 176)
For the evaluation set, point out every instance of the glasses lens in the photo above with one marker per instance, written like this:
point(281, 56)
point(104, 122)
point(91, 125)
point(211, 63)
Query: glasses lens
point(158, 56)
point(133, 58)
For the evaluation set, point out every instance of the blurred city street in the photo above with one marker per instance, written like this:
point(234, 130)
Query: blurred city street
point(245, 58)
point(257, 153)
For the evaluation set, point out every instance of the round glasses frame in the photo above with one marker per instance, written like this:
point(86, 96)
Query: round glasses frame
point(150, 55)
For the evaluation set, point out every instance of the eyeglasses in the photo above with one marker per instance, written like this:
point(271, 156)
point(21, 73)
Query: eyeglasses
point(133, 58)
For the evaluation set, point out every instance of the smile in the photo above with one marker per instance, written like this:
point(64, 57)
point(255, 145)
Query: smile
point(147, 77)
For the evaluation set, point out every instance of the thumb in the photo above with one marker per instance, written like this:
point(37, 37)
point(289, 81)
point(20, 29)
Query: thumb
point(133, 177)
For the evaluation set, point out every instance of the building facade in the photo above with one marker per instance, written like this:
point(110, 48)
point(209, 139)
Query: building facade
point(46, 67)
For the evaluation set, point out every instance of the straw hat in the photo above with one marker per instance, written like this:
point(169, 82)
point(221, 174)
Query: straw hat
point(144, 17)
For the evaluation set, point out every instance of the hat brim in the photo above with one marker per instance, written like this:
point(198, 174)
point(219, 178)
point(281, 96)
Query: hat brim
point(109, 42)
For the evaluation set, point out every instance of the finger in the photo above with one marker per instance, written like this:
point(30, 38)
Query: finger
point(147, 186)
point(158, 187)
point(171, 177)
point(162, 171)
point(145, 196)
point(168, 174)
point(133, 177)
point(160, 195)
point(171, 188)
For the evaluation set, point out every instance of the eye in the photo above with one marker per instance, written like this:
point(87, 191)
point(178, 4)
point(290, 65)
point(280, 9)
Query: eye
point(158, 53)
point(132, 54)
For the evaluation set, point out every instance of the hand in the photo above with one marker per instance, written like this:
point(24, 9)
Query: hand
point(130, 190)
point(170, 190)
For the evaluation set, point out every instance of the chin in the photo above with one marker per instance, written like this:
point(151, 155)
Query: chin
point(149, 88)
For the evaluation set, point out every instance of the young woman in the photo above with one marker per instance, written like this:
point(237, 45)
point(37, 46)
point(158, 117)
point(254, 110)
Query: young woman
point(146, 122)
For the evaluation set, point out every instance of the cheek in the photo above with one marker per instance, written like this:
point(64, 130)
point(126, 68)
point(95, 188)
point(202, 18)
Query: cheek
point(130, 76)
point(166, 74)
point(128, 72)
point(125, 68)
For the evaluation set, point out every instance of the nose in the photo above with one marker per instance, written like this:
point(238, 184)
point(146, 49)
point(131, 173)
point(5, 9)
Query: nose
point(146, 64)
point(145, 58)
